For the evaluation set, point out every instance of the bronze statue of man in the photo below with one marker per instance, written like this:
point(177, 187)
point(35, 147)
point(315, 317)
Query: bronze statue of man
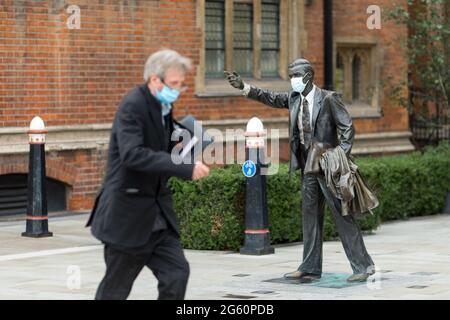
point(317, 120)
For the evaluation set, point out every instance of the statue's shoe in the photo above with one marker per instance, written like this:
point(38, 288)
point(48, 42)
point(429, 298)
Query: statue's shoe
point(302, 277)
point(359, 277)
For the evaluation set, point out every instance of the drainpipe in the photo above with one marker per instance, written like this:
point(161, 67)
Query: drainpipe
point(328, 41)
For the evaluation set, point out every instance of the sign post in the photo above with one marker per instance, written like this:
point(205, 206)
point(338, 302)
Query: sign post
point(257, 234)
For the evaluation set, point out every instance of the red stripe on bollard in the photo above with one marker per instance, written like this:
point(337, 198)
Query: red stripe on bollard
point(37, 217)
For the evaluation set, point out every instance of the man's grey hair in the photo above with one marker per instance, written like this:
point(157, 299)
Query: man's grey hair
point(159, 62)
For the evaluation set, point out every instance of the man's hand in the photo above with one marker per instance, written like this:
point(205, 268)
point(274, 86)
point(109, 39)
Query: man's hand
point(200, 171)
point(234, 79)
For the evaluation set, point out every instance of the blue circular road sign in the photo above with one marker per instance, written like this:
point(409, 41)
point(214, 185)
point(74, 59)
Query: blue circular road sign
point(249, 168)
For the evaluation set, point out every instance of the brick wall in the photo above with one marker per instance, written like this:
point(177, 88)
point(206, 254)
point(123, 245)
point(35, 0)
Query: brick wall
point(79, 76)
point(75, 76)
point(350, 20)
point(69, 76)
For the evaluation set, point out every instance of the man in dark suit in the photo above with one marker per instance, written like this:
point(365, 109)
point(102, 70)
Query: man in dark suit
point(133, 214)
point(317, 120)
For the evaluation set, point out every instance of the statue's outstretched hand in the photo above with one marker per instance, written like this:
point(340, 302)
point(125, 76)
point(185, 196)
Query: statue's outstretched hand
point(234, 79)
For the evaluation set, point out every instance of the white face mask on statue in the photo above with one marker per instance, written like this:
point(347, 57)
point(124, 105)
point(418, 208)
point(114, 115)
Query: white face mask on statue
point(298, 85)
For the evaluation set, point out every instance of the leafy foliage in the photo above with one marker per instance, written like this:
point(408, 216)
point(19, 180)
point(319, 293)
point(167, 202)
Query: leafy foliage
point(428, 47)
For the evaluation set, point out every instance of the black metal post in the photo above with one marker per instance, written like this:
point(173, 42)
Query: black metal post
point(37, 216)
point(447, 204)
point(257, 234)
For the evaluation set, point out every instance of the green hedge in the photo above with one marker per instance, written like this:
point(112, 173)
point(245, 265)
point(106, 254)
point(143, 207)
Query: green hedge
point(409, 185)
point(211, 211)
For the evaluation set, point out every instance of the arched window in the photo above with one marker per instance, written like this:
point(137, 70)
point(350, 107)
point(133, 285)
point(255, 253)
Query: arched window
point(339, 75)
point(356, 78)
point(356, 74)
point(14, 191)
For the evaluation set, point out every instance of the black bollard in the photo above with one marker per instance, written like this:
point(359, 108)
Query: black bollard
point(37, 217)
point(257, 234)
point(447, 204)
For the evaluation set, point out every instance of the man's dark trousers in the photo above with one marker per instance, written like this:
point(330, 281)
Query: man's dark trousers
point(163, 255)
point(314, 194)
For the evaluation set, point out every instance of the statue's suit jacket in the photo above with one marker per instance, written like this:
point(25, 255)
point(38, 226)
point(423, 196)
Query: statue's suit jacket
point(331, 123)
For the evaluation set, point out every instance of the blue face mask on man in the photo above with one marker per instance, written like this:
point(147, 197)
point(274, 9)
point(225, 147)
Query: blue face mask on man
point(167, 95)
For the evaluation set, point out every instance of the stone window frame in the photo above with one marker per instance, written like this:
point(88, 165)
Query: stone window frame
point(292, 45)
point(372, 59)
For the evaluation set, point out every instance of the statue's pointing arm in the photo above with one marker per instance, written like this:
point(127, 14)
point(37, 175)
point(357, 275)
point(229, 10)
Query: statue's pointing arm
point(270, 98)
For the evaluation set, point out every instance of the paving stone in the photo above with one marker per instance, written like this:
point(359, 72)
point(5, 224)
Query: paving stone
point(410, 253)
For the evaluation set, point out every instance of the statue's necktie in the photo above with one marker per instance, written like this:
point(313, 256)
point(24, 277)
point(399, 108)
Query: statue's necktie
point(306, 124)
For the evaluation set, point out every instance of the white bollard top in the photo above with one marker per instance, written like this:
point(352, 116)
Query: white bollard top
point(37, 124)
point(255, 125)
point(37, 131)
point(255, 133)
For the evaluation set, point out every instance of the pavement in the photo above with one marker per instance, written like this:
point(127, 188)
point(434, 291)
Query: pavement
point(412, 259)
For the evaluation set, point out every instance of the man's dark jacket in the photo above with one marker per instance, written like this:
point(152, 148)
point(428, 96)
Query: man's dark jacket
point(139, 165)
point(331, 123)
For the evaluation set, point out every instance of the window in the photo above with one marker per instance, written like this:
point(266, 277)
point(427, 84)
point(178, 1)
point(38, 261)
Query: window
point(356, 77)
point(255, 38)
point(270, 38)
point(339, 75)
point(356, 74)
point(215, 38)
point(243, 38)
